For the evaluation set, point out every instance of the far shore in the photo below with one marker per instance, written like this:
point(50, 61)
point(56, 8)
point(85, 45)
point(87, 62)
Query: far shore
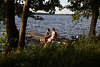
point(49, 14)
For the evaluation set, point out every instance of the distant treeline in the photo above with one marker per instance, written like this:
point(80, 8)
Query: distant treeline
point(49, 14)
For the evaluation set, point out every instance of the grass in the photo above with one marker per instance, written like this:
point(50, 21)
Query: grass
point(82, 52)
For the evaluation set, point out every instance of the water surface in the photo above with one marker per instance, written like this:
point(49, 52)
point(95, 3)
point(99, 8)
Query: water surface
point(62, 23)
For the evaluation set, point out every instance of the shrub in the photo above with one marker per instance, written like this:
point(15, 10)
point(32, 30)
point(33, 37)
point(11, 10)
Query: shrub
point(79, 53)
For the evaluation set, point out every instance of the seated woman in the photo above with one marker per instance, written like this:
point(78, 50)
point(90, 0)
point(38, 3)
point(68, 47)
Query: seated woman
point(46, 36)
point(53, 36)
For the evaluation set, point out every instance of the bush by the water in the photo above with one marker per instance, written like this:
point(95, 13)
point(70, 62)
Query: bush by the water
point(83, 52)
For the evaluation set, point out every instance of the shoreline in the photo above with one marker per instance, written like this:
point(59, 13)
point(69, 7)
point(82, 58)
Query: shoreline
point(34, 38)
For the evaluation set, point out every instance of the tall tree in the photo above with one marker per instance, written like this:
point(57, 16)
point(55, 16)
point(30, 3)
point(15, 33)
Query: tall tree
point(11, 28)
point(23, 25)
point(86, 8)
point(1, 10)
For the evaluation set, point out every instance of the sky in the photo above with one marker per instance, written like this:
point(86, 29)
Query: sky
point(64, 2)
point(64, 11)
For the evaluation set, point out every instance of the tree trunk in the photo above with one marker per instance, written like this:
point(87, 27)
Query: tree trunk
point(11, 29)
point(21, 42)
point(95, 14)
point(1, 10)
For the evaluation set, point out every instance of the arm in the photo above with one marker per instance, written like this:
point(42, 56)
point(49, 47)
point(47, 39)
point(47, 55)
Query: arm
point(48, 35)
point(53, 35)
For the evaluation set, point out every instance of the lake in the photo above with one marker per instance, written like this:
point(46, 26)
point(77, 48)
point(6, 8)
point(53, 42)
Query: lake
point(62, 23)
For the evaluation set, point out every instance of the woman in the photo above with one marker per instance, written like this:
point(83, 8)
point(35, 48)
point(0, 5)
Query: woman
point(46, 36)
point(53, 36)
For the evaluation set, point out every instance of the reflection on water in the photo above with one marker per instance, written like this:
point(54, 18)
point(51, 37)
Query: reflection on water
point(62, 23)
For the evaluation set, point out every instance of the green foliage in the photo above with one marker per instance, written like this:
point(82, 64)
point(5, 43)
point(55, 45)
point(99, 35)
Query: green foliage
point(82, 52)
point(75, 16)
point(35, 5)
point(83, 42)
point(82, 7)
point(99, 13)
point(3, 40)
